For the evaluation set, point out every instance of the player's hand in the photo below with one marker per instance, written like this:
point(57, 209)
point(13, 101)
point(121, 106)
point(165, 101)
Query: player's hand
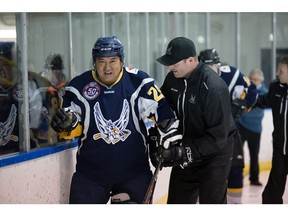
point(170, 145)
point(64, 120)
point(176, 155)
point(168, 134)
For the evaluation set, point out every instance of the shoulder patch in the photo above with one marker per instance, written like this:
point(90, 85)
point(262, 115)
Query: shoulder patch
point(225, 69)
point(132, 70)
point(91, 91)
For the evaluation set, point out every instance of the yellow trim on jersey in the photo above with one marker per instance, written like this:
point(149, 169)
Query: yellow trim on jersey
point(6, 83)
point(71, 134)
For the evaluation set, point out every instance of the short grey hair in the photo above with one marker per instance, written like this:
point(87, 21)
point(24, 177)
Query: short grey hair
point(257, 71)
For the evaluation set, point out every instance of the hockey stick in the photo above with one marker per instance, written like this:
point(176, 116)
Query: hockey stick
point(151, 188)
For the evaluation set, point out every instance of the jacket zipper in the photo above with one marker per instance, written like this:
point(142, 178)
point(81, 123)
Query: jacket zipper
point(281, 105)
point(183, 103)
point(285, 125)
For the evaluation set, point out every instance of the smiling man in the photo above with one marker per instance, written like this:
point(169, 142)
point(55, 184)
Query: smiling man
point(109, 107)
point(276, 98)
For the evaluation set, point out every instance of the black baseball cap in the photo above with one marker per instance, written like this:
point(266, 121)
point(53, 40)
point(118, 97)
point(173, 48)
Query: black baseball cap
point(178, 49)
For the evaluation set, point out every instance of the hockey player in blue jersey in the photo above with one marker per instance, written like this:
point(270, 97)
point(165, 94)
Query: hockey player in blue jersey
point(243, 95)
point(111, 108)
point(41, 104)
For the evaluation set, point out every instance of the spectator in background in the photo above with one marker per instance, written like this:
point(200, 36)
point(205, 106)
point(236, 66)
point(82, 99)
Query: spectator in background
point(250, 127)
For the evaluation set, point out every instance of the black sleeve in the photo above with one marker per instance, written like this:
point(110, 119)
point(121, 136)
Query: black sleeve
point(265, 101)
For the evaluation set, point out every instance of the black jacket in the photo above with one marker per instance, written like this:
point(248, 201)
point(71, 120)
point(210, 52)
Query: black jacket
point(276, 98)
point(202, 104)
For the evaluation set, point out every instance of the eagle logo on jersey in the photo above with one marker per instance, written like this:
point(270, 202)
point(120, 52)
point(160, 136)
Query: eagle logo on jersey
point(112, 132)
point(7, 127)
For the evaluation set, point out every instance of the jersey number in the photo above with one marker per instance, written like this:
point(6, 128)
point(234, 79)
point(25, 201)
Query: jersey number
point(156, 93)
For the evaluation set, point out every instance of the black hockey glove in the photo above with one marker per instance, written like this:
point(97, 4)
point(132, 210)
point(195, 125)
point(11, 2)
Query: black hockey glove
point(153, 147)
point(176, 155)
point(154, 150)
point(237, 108)
point(170, 145)
point(168, 134)
point(64, 120)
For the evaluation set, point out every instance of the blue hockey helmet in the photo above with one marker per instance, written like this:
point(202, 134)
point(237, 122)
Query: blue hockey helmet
point(209, 56)
point(108, 46)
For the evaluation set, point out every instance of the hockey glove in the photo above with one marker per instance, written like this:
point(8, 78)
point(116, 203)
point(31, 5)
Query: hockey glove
point(64, 120)
point(153, 147)
point(237, 108)
point(168, 134)
point(170, 145)
point(176, 155)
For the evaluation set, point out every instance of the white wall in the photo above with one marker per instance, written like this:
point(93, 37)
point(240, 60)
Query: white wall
point(265, 154)
point(44, 180)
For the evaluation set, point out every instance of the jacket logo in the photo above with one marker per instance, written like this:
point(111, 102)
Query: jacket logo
point(192, 100)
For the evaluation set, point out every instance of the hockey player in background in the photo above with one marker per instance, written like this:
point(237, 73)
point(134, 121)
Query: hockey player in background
point(243, 95)
point(111, 108)
point(53, 71)
point(41, 104)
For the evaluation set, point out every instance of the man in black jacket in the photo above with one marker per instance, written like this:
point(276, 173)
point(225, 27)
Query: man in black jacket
point(276, 98)
point(201, 101)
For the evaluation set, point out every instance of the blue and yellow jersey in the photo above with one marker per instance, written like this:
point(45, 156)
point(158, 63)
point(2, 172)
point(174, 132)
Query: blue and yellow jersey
point(239, 85)
point(112, 144)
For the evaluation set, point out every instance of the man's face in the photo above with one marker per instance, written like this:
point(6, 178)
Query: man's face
point(108, 68)
point(282, 73)
point(184, 67)
point(8, 74)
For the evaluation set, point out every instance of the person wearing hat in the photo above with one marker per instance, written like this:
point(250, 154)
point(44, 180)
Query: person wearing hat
point(201, 101)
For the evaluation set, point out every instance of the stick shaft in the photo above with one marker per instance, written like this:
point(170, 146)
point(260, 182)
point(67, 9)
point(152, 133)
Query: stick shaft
point(151, 188)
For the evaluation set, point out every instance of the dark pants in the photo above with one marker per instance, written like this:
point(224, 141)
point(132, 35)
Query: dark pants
point(85, 191)
point(208, 181)
point(275, 186)
point(253, 141)
point(235, 179)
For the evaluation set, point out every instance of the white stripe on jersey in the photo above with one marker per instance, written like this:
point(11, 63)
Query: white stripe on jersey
point(87, 112)
point(134, 96)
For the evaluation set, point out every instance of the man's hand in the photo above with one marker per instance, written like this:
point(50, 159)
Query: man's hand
point(64, 120)
point(170, 145)
point(176, 155)
point(168, 134)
